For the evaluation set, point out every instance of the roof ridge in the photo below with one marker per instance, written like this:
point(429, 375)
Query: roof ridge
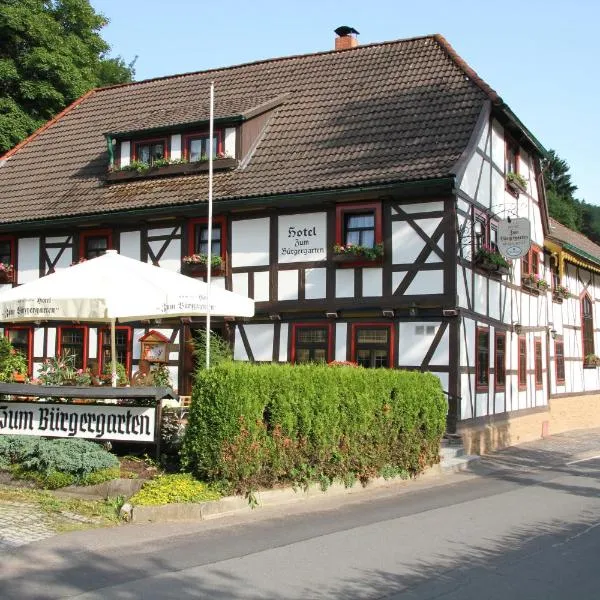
point(47, 125)
point(266, 60)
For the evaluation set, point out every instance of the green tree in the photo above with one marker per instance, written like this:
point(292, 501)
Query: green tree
point(560, 190)
point(51, 52)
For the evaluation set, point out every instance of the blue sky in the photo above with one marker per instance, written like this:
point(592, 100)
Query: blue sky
point(540, 56)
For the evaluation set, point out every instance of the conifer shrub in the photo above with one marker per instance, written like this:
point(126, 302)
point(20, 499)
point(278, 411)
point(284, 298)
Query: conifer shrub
point(253, 426)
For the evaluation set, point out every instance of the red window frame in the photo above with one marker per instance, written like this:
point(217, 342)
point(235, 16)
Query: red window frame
point(559, 361)
point(391, 342)
point(539, 363)
point(136, 143)
point(59, 345)
point(188, 137)
point(530, 263)
point(511, 145)
point(499, 361)
point(482, 368)
point(94, 233)
point(587, 326)
point(522, 365)
point(488, 225)
point(105, 331)
point(29, 355)
point(341, 210)
point(221, 223)
point(314, 325)
point(12, 241)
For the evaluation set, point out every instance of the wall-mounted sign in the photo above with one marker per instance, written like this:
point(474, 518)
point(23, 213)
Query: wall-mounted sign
point(514, 237)
point(154, 347)
point(302, 237)
point(130, 423)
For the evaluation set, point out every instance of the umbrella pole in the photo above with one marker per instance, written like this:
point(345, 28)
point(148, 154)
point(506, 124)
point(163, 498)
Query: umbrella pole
point(113, 353)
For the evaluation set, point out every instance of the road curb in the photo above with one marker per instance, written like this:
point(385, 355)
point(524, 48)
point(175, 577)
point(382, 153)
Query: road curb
point(231, 505)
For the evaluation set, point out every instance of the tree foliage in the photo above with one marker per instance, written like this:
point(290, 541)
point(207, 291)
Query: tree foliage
point(562, 203)
point(51, 52)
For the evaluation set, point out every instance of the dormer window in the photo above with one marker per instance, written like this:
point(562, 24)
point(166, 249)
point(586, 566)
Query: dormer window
point(197, 146)
point(149, 151)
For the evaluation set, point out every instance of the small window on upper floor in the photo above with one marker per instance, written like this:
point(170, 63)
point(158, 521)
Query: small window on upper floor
point(94, 243)
point(197, 146)
point(512, 157)
point(7, 259)
point(359, 225)
point(150, 151)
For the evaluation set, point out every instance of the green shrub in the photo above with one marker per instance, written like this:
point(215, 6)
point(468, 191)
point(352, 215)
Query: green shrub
point(11, 361)
point(167, 489)
point(254, 426)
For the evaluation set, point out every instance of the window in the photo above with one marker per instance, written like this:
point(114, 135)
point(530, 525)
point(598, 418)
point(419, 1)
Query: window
point(21, 340)
point(522, 371)
point(482, 359)
point(587, 326)
point(311, 343)
point(500, 364)
point(512, 157)
point(485, 232)
point(359, 224)
point(198, 238)
point(539, 380)
point(123, 348)
point(148, 151)
point(530, 263)
point(372, 345)
point(197, 146)
point(7, 250)
point(559, 360)
point(73, 340)
point(94, 243)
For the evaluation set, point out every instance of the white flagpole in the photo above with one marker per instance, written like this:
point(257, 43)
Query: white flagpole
point(210, 191)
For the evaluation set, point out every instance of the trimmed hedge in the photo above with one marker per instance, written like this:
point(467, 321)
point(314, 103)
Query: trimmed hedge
point(253, 426)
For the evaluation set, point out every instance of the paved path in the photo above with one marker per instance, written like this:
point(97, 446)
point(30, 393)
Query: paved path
point(21, 524)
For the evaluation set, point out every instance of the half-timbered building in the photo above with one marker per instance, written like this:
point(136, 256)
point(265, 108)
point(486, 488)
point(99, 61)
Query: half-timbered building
point(354, 191)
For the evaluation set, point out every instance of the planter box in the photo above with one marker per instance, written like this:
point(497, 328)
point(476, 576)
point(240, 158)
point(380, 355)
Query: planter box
point(530, 287)
point(489, 266)
point(356, 260)
point(514, 187)
point(191, 168)
point(199, 270)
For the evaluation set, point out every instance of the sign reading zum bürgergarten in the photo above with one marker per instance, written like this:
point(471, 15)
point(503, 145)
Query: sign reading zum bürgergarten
point(127, 423)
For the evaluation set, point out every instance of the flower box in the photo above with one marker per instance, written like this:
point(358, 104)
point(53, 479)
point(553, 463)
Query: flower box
point(530, 286)
point(516, 183)
point(486, 264)
point(7, 273)
point(591, 361)
point(190, 168)
point(357, 255)
point(199, 269)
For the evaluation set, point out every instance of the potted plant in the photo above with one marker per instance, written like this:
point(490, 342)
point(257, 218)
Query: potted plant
point(516, 182)
point(355, 253)
point(13, 365)
point(197, 263)
point(7, 273)
point(489, 259)
point(533, 282)
point(591, 360)
point(560, 292)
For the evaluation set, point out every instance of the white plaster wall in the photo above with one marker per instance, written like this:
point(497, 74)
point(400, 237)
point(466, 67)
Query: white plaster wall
point(125, 154)
point(427, 282)
point(421, 207)
point(315, 283)
point(51, 342)
point(470, 179)
point(441, 356)
point(494, 299)
point(38, 341)
point(129, 244)
point(498, 147)
point(137, 347)
point(92, 343)
point(287, 285)
point(171, 257)
point(239, 351)
point(466, 409)
point(250, 243)
point(260, 338)
point(175, 146)
point(341, 334)
point(283, 342)
point(483, 142)
point(261, 286)
point(414, 341)
point(66, 257)
point(484, 192)
point(461, 288)
point(28, 259)
point(406, 243)
point(372, 282)
point(479, 298)
point(344, 283)
point(240, 283)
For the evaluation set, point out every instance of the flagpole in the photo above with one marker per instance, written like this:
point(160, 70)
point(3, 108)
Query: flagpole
point(210, 212)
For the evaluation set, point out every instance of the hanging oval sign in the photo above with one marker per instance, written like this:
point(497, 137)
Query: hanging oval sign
point(514, 237)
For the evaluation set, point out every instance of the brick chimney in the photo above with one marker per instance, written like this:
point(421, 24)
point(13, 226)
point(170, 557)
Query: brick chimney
point(345, 39)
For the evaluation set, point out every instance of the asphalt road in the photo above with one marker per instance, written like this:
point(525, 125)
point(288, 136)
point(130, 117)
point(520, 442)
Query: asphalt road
point(525, 524)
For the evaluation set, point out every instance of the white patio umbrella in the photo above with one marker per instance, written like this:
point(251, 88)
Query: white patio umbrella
point(113, 288)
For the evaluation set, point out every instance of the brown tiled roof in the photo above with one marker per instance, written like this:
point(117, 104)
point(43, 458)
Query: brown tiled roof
point(382, 113)
point(563, 235)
